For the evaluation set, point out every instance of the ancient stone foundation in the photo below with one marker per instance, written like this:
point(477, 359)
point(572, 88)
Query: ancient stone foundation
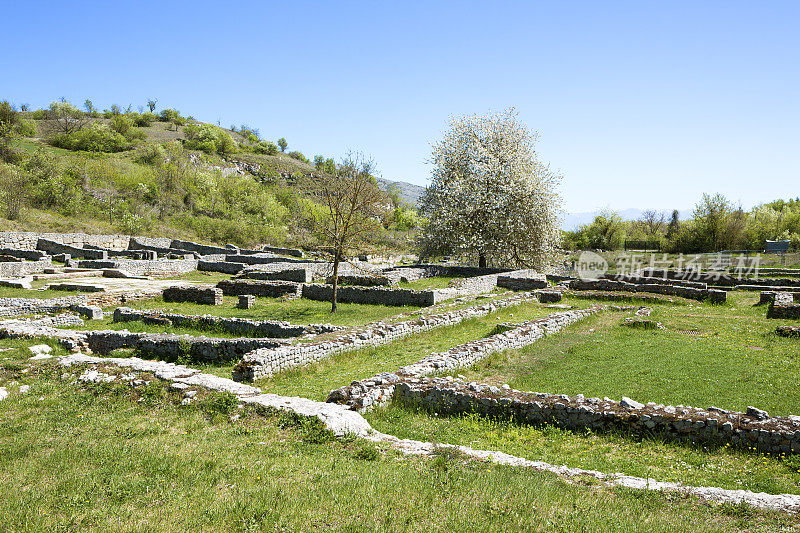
point(265, 289)
point(198, 295)
point(712, 426)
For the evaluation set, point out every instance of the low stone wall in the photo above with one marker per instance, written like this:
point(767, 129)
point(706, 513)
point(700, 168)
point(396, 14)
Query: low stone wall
point(266, 289)
point(719, 279)
point(27, 240)
point(202, 249)
point(783, 306)
point(712, 295)
point(225, 267)
point(788, 331)
point(638, 280)
point(29, 306)
point(198, 295)
point(294, 252)
point(239, 326)
point(712, 426)
point(170, 347)
point(162, 249)
point(53, 247)
point(363, 281)
point(371, 295)
point(522, 280)
point(362, 395)
point(24, 268)
point(144, 267)
point(30, 255)
point(263, 363)
point(297, 275)
point(257, 259)
point(767, 297)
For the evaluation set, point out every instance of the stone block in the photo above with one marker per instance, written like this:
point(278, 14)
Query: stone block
point(246, 301)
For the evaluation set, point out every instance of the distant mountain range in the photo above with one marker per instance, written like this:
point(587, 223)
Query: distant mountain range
point(573, 221)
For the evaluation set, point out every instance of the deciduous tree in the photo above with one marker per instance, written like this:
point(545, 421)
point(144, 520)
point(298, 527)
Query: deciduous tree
point(490, 197)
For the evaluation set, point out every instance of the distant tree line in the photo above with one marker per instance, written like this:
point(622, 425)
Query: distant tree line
point(716, 224)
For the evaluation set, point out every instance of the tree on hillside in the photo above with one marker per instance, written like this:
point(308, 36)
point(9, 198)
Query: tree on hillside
point(282, 144)
point(151, 104)
point(352, 205)
point(490, 197)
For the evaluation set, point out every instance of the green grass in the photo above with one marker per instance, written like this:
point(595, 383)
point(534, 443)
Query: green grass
point(212, 278)
point(97, 460)
point(427, 283)
point(316, 381)
point(299, 311)
point(654, 458)
point(727, 356)
point(9, 292)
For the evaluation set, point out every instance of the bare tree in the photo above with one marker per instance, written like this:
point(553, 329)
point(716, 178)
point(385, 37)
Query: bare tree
point(653, 222)
point(63, 117)
point(353, 204)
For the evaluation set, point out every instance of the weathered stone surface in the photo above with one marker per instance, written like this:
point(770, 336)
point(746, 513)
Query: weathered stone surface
point(90, 312)
point(267, 289)
point(237, 326)
point(246, 301)
point(783, 306)
point(198, 295)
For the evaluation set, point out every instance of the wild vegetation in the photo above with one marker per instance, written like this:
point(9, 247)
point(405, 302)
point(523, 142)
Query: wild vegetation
point(716, 224)
point(161, 173)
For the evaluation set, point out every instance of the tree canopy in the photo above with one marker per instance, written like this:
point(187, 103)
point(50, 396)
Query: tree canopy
point(490, 197)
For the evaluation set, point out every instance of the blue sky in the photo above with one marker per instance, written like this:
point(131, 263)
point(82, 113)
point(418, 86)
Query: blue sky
point(639, 104)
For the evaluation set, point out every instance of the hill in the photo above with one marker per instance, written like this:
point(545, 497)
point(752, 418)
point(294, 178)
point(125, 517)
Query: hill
point(162, 175)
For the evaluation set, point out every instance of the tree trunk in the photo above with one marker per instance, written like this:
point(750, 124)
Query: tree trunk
point(335, 280)
point(482, 261)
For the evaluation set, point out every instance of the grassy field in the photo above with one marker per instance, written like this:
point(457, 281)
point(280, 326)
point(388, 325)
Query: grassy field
point(316, 381)
point(97, 460)
point(726, 356)
point(299, 311)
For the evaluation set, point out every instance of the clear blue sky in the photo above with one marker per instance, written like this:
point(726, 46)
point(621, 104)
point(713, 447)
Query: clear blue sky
point(639, 104)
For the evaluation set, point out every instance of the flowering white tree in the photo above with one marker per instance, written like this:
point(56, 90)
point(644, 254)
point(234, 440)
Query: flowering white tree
point(490, 197)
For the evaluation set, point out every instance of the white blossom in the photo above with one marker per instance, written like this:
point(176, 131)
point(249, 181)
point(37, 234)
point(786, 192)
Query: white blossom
point(490, 196)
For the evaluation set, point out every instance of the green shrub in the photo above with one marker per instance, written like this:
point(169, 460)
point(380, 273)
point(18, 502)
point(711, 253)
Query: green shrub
point(143, 120)
point(209, 139)
point(97, 138)
point(121, 124)
point(39, 114)
point(150, 154)
point(266, 147)
point(299, 156)
point(26, 128)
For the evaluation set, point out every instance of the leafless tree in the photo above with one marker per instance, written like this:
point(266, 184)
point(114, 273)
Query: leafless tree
point(63, 117)
point(353, 204)
point(653, 222)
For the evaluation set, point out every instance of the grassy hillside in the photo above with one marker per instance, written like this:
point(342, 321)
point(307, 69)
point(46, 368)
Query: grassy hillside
point(160, 175)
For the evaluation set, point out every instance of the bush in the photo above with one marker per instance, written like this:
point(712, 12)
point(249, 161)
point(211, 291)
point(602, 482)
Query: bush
point(26, 128)
point(97, 138)
point(266, 147)
point(144, 120)
point(209, 139)
point(150, 154)
point(299, 156)
point(121, 124)
point(39, 114)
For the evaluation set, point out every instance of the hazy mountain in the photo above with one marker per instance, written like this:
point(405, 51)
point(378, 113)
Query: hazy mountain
point(409, 192)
